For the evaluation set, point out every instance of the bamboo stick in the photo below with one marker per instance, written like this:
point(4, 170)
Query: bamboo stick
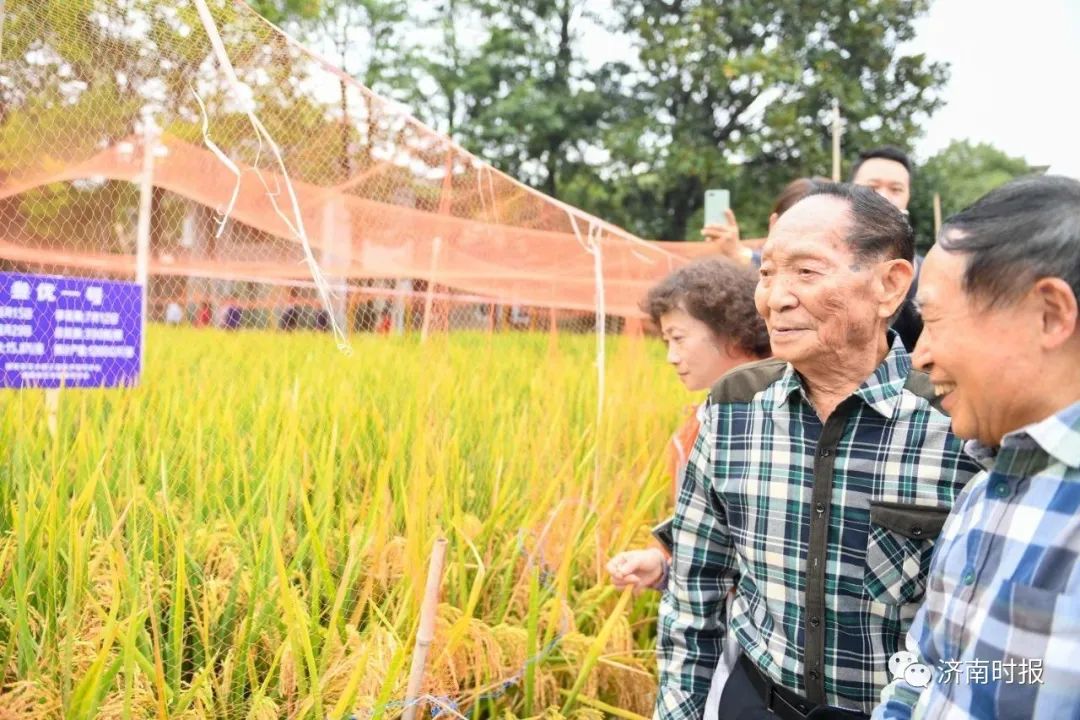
point(425, 327)
point(937, 214)
point(836, 140)
point(426, 633)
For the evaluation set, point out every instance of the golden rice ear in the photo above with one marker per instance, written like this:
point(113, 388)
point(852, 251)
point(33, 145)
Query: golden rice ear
point(586, 713)
point(287, 677)
point(263, 708)
point(121, 704)
point(390, 565)
point(190, 572)
point(29, 699)
point(512, 641)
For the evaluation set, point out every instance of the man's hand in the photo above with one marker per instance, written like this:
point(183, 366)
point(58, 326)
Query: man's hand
point(726, 238)
point(640, 568)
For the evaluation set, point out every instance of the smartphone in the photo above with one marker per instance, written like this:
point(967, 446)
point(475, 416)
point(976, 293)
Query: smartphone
point(664, 535)
point(717, 203)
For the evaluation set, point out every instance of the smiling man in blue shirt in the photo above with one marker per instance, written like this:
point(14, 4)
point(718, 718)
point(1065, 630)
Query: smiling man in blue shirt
point(999, 633)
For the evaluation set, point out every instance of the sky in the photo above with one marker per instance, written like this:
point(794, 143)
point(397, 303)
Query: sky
point(1014, 78)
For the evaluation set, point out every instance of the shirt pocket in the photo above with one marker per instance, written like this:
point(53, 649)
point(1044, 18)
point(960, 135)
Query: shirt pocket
point(898, 549)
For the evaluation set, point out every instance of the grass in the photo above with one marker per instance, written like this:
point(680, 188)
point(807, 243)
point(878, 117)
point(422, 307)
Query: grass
point(246, 534)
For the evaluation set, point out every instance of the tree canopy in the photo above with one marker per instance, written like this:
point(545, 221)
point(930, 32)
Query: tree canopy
point(699, 95)
point(961, 174)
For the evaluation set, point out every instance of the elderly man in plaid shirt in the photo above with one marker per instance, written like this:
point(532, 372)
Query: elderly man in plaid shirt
point(817, 485)
point(998, 635)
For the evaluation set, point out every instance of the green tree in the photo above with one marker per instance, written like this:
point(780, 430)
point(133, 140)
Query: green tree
point(515, 88)
point(369, 38)
point(278, 11)
point(541, 126)
point(738, 95)
point(443, 69)
point(961, 173)
point(82, 74)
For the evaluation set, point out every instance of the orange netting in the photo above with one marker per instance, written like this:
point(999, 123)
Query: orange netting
point(382, 197)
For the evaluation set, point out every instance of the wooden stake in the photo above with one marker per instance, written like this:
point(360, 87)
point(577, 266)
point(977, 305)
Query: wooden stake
point(937, 215)
point(836, 140)
point(425, 326)
point(426, 633)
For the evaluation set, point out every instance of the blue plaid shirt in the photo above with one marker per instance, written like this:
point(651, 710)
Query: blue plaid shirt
point(825, 530)
point(1000, 629)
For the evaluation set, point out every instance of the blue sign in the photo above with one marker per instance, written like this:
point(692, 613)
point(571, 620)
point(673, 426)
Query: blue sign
point(69, 332)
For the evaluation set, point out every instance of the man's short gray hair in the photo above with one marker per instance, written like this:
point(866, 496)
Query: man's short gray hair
point(879, 231)
point(1021, 232)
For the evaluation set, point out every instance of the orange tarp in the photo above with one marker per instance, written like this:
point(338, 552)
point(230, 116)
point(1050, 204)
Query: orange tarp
point(372, 239)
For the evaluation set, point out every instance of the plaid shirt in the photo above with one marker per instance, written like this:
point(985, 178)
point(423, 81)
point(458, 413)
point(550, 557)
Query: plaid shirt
point(824, 529)
point(1000, 628)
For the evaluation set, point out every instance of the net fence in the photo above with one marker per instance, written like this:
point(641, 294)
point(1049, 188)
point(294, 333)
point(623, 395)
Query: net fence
point(103, 99)
point(243, 539)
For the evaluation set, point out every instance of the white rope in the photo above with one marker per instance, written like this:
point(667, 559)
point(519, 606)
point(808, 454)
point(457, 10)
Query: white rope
point(483, 200)
point(225, 160)
point(591, 245)
point(577, 231)
point(601, 319)
point(491, 189)
point(241, 90)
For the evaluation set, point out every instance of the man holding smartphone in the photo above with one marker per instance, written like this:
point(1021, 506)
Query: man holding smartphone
point(722, 229)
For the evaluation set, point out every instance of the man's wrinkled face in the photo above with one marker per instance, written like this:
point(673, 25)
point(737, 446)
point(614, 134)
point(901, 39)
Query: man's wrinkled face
point(977, 356)
point(887, 178)
point(814, 295)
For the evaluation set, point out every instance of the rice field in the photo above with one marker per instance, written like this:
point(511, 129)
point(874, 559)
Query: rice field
point(246, 535)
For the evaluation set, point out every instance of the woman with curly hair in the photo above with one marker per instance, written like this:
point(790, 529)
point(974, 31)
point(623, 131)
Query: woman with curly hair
point(707, 319)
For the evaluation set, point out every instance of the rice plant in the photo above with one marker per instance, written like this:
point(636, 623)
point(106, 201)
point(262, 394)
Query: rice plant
point(245, 535)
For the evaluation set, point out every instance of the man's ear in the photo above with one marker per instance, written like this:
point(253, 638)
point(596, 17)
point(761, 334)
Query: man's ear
point(891, 284)
point(1057, 304)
